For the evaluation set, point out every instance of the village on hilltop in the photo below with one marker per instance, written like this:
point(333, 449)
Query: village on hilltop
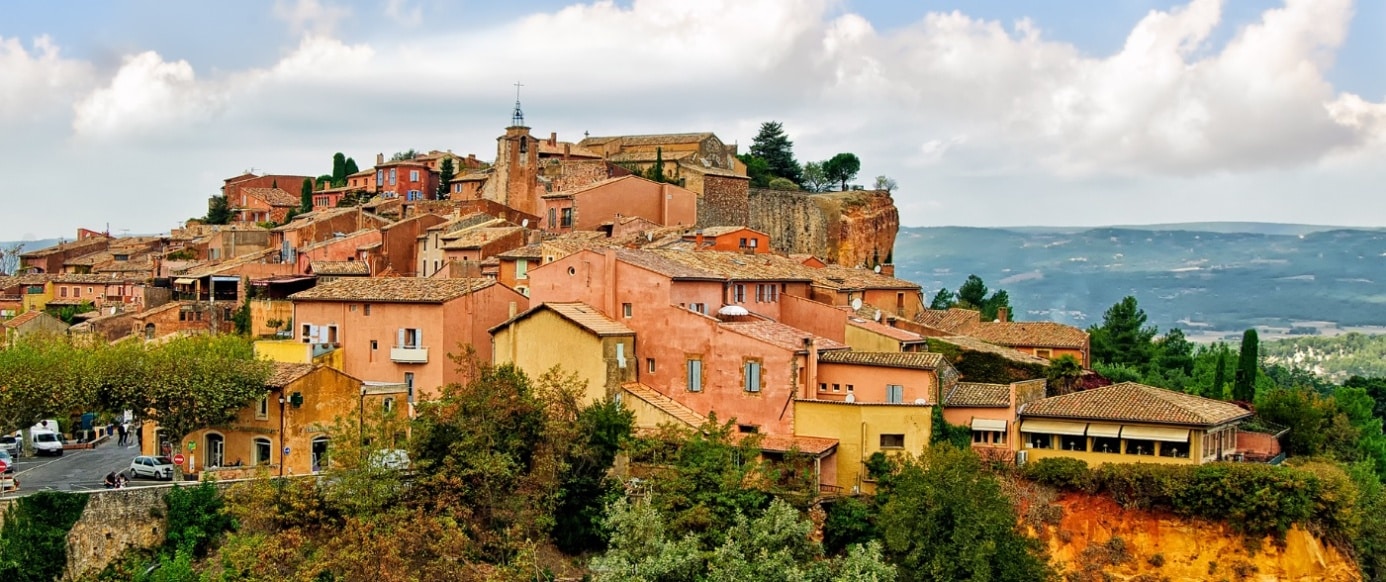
point(646, 264)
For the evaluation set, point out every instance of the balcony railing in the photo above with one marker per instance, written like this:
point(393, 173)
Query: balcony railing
point(409, 355)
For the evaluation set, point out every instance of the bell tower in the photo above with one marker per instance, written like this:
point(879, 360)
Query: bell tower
point(516, 175)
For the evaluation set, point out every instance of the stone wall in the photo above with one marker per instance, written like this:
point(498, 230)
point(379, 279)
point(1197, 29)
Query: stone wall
point(724, 202)
point(848, 228)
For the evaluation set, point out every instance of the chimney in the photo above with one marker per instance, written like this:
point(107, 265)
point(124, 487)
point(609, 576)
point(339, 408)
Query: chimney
point(888, 270)
point(553, 138)
point(1003, 314)
point(609, 263)
point(811, 374)
point(379, 159)
point(567, 151)
point(698, 240)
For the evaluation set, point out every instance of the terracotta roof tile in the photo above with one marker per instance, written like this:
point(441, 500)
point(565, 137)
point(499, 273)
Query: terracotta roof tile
point(816, 446)
point(975, 345)
point(781, 335)
point(841, 277)
point(1132, 402)
point(476, 237)
point(909, 360)
point(331, 268)
point(649, 139)
point(1044, 334)
point(738, 266)
point(894, 333)
point(90, 279)
point(21, 319)
point(954, 320)
point(285, 374)
point(668, 405)
point(64, 246)
point(393, 289)
point(273, 196)
point(978, 395)
point(582, 314)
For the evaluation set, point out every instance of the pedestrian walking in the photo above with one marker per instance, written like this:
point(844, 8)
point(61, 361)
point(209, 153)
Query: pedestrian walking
point(124, 435)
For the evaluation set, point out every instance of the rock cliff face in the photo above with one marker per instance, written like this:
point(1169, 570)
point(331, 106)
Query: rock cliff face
point(849, 228)
point(1098, 540)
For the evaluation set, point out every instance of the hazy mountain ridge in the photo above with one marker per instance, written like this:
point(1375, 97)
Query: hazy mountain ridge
point(1210, 280)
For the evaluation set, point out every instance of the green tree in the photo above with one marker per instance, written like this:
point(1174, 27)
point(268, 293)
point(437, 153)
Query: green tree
point(339, 172)
point(305, 196)
point(772, 145)
point(351, 167)
point(655, 173)
point(1317, 425)
point(241, 319)
point(783, 184)
point(1063, 374)
point(1173, 351)
point(973, 293)
point(324, 182)
point(991, 308)
point(1248, 363)
point(1220, 377)
point(815, 179)
point(405, 155)
point(602, 429)
point(446, 172)
point(1123, 337)
point(199, 381)
point(757, 169)
point(944, 518)
point(841, 168)
point(885, 184)
point(944, 299)
point(218, 211)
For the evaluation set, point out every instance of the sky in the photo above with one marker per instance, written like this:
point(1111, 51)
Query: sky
point(128, 114)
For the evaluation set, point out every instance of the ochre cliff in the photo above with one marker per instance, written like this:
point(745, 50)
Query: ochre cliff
point(1096, 539)
point(850, 228)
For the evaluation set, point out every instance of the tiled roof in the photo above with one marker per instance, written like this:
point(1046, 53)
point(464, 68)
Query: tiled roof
point(7, 282)
point(273, 196)
point(476, 237)
point(204, 269)
point(894, 333)
point(909, 360)
point(472, 177)
point(63, 246)
point(573, 149)
point(668, 405)
point(978, 395)
point(972, 344)
point(89, 279)
point(650, 139)
point(953, 320)
point(322, 244)
point(582, 314)
point(533, 251)
point(285, 374)
point(739, 266)
point(720, 230)
point(663, 265)
point(643, 155)
point(21, 319)
point(392, 289)
point(591, 186)
point(1132, 402)
point(701, 169)
point(815, 446)
point(781, 335)
point(857, 278)
point(1045, 334)
point(330, 268)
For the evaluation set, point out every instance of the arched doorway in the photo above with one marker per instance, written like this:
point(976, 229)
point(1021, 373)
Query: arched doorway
point(320, 459)
point(216, 450)
point(149, 331)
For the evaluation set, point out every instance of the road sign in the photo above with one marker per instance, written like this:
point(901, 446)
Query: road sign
point(286, 451)
point(178, 459)
point(3, 465)
point(192, 445)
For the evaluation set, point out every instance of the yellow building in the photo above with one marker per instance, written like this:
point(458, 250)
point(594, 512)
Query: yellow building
point(574, 336)
point(861, 430)
point(286, 431)
point(1129, 423)
point(865, 335)
point(293, 351)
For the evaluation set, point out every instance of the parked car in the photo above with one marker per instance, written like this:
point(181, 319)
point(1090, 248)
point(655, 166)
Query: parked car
point(10, 444)
point(9, 462)
point(47, 443)
point(151, 467)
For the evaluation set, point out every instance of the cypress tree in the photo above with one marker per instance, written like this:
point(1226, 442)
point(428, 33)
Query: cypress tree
point(1244, 387)
point(1219, 376)
point(305, 196)
point(351, 167)
point(445, 175)
point(339, 172)
point(656, 172)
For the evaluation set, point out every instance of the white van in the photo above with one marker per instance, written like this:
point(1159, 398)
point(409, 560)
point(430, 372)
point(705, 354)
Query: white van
point(47, 442)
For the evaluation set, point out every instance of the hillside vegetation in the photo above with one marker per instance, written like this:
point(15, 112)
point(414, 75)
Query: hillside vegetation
point(1335, 358)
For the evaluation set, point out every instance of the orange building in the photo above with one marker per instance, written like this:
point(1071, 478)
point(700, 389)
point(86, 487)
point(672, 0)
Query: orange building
point(606, 202)
point(406, 179)
point(400, 330)
point(729, 238)
point(1044, 339)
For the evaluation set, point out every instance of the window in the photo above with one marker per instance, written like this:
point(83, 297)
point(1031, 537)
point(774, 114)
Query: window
point(621, 356)
point(307, 334)
point(743, 243)
point(760, 293)
point(553, 217)
point(1176, 450)
point(62, 291)
point(521, 268)
point(747, 428)
point(698, 307)
point(739, 293)
point(1140, 447)
point(822, 386)
point(1039, 441)
point(413, 175)
point(981, 437)
point(751, 373)
point(626, 310)
point(837, 387)
point(1106, 445)
point(414, 195)
point(409, 384)
point(650, 365)
point(263, 452)
point(392, 176)
point(331, 334)
point(1073, 443)
point(753, 242)
point(88, 291)
point(695, 375)
point(425, 245)
point(262, 409)
point(380, 177)
point(895, 393)
point(892, 441)
point(410, 338)
point(374, 345)
point(367, 309)
point(216, 450)
point(388, 404)
point(1043, 353)
point(567, 218)
point(850, 388)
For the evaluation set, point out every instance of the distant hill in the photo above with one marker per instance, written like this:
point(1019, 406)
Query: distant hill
point(1218, 227)
point(1335, 358)
point(1204, 281)
point(30, 245)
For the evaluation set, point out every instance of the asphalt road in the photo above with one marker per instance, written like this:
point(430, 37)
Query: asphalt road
point(76, 470)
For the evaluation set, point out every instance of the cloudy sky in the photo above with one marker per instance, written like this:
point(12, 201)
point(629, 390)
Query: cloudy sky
point(131, 112)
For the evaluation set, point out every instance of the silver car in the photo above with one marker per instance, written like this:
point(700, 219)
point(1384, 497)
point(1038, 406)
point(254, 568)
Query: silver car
point(151, 467)
point(9, 461)
point(10, 444)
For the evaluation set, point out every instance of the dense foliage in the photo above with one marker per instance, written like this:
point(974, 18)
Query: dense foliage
point(772, 145)
point(972, 294)
point(33, 538)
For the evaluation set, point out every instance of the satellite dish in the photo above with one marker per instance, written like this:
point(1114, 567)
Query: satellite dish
point(877, 269)
point(878, 315)
point(856, 303)
point(524, 223)
point(920, 401)
point(850, 398)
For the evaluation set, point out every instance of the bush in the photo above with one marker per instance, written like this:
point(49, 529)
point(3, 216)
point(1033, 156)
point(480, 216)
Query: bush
point(1063, 473)
point(849, 521)
point(195, 518)
point(33, 539)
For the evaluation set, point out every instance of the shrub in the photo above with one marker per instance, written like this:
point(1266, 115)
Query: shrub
point(33, 539)
point(1063, 473)
point(195, 518)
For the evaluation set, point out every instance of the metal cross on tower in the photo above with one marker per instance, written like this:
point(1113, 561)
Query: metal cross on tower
point(517, 119)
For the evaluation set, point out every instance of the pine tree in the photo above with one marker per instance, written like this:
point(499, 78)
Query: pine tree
point(1123, 337)
point(218, 211)
point(445, 174)
point(943, 299)
point(841, 168)
point(1248, 362)
point(773, 146)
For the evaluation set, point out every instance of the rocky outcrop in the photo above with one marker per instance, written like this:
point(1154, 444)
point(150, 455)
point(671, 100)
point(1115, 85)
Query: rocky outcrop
point(1096, 539)
point(849, 228)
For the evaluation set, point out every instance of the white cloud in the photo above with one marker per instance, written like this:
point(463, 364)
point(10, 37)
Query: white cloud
point(400, 12)
point(964, 109)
